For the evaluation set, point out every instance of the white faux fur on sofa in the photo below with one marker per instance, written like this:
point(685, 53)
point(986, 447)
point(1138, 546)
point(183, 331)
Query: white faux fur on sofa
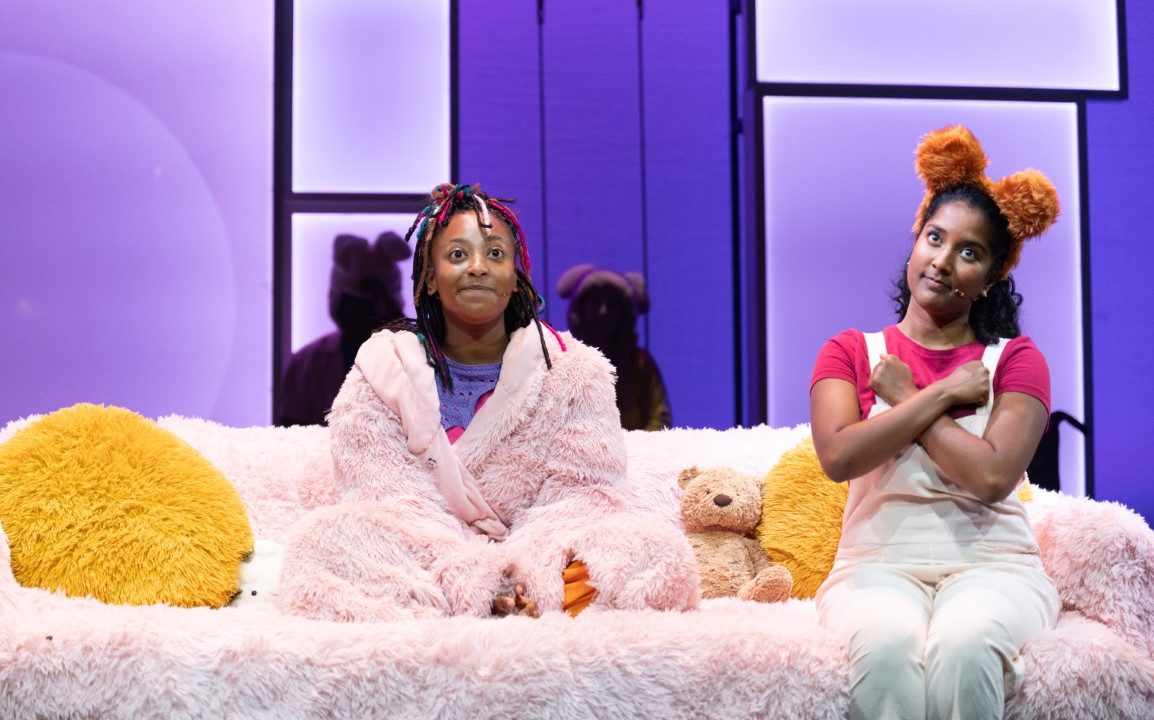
point(77, 658)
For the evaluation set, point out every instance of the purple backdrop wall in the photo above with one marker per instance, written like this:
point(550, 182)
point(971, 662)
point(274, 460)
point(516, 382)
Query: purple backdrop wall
point(631, 115)
point(135, 207)
point(688, 207)
point(1121, 189)
point(209, 352)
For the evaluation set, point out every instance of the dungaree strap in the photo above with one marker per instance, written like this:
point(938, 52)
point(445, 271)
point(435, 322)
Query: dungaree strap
point(990, 358)
point(875, 345)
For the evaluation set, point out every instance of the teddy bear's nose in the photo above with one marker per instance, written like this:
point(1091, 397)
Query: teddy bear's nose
point(721, 500)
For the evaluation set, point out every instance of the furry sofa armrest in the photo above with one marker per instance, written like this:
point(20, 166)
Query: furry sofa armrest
point(1101, 556)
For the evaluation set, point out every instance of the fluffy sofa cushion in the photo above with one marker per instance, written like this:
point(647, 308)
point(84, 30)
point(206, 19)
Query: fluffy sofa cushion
point(801, 517)
point(100, 501)
point(1101, 556)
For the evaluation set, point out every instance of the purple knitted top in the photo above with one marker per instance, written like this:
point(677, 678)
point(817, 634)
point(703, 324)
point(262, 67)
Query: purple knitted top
point(472, 385)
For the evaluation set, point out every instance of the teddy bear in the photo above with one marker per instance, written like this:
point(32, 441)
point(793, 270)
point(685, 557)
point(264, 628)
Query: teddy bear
point(720, 508)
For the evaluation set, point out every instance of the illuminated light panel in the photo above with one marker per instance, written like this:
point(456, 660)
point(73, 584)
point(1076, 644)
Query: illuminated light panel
point(371, 88)
point(1041, 44)
point(840, 197)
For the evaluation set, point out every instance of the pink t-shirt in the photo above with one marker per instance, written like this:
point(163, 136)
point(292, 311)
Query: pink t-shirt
point(1022, 367)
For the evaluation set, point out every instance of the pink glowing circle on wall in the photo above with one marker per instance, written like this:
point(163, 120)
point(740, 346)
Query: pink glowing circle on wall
point(115, 238)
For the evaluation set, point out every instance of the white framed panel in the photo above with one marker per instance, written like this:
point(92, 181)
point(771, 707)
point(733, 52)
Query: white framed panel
point(1041, 44)
point(839, 204)
point(312, 263)
point(371, 96)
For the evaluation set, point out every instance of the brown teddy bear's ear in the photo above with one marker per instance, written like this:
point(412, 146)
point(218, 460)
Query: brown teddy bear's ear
point(686, 475)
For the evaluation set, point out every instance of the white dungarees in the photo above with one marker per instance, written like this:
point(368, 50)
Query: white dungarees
point(935, 591)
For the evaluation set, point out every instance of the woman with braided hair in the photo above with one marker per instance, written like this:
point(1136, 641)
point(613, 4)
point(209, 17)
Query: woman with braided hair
point(937, 583)
point(479, 457)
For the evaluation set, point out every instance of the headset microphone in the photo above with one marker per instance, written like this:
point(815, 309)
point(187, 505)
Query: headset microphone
point(964, 296)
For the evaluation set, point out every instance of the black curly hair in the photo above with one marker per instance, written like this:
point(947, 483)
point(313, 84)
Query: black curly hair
point(995, 314)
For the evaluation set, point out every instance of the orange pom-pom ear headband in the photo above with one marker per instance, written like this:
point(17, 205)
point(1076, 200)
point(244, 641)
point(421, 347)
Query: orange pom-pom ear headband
point(952, 156)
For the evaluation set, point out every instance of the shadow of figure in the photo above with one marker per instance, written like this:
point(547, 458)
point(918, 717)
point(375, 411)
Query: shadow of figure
point(603, 310)
point(364, 293)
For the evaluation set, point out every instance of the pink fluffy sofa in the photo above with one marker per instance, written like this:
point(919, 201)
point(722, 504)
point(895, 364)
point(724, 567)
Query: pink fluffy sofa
point(77, 658)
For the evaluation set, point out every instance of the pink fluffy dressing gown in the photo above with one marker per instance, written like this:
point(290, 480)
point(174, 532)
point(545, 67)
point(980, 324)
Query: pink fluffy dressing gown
point(421, 527)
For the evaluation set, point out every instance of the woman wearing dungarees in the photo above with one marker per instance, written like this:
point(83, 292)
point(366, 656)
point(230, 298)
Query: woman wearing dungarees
point(938, 583)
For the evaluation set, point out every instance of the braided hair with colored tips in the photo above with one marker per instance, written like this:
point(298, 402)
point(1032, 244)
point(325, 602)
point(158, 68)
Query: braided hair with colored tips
point(525, 304)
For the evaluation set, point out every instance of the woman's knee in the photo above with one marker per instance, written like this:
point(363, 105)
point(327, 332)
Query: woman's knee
point(965, 645)
point(887, 646)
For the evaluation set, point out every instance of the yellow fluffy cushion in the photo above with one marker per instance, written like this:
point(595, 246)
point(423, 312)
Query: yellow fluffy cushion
point(100, 501)
point(801, 516)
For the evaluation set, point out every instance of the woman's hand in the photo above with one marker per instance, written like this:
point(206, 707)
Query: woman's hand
point(892, 380)
point(968, 385)
point(516, 604)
